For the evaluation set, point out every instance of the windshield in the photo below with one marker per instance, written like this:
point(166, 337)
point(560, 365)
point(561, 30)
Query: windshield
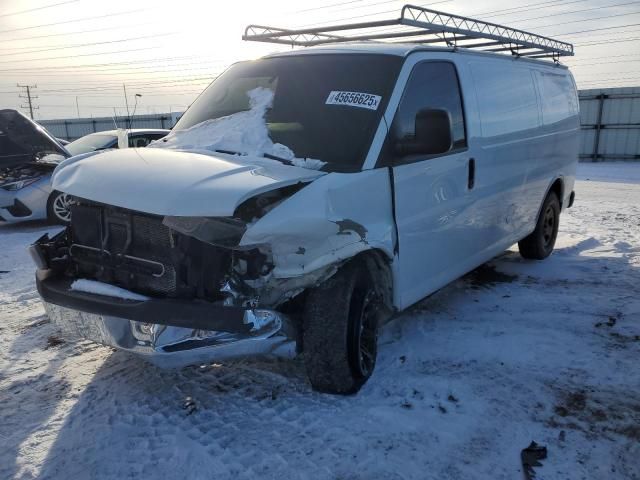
point(325, 107)
point(91, 143)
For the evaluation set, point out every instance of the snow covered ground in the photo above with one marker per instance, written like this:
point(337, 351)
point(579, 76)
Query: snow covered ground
point(515, 351)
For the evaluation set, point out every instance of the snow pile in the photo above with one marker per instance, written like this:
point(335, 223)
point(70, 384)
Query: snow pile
point(99, 288)
point(244, 132)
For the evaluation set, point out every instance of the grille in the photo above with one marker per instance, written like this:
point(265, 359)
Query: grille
point(129, 249)
point(136, 251)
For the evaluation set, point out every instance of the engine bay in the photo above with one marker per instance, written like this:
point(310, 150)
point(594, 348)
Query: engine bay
point(24, 172)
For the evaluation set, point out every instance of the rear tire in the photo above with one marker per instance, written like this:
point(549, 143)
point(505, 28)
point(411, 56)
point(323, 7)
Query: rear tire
point(340, 335)
point(58, 208)
point(540, 243)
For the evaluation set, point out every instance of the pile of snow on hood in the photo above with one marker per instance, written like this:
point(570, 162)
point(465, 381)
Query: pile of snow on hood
point(245, 132)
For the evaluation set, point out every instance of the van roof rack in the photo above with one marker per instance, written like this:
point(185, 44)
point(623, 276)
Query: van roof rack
point(424, 27)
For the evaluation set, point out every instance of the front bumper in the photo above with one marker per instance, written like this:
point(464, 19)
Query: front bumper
point(30, 203)
point(165, 346)
point(169, 333)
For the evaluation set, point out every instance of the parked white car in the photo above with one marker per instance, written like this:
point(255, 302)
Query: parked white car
point(28, 157)
point(309, 196)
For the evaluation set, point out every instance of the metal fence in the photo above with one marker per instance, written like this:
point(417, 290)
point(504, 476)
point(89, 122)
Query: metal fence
point(73, 128)
point(610, 121)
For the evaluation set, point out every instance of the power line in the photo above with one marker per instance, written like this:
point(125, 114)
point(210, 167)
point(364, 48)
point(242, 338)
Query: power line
point(132, 81)
point(38, 8)
point(607, 35)
point(369, 5)
point(490, 14)
point(95, 17)
point(614, 40)
point(587, 19)
point(144, 74)
point(598, 29)
point(573, 67)
point(497, 13)
point(327, 6)
point(199, 80)
point(80, 45)
point(368, 15)
point(147, 93)
point(145, 71)
point(527, 8)
point(578, 11)
point(66, 34)
point(81, 55)
point(134, 62)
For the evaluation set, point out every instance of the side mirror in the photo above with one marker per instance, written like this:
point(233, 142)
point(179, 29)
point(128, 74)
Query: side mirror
point(433, 134)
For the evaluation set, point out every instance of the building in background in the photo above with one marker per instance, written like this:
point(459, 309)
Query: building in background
point(610, 121)
point(74, 128)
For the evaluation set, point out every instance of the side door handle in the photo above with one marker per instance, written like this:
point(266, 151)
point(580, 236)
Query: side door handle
point(471, 179)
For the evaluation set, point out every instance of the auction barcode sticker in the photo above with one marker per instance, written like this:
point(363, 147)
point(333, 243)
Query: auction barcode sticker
point(354, 99)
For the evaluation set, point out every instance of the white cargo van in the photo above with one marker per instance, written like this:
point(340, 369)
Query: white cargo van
point(308, 196)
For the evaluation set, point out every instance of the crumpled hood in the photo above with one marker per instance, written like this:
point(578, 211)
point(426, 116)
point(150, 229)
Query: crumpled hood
point(175, 183)
point(22, 140)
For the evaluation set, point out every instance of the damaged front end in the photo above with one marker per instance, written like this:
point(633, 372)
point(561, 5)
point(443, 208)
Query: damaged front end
point(149, 273)
point(195, 289)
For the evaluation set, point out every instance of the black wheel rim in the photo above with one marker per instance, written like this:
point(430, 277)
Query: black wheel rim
point(365, 333)
point(549, 226)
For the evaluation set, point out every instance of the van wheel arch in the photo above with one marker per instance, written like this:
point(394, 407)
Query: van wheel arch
point(340, 323)
point(540, 243)
point(556, 187)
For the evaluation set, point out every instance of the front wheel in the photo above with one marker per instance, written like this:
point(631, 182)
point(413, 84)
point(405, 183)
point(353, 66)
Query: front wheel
point(59, 208)
point(540, 243)
point(341, 331)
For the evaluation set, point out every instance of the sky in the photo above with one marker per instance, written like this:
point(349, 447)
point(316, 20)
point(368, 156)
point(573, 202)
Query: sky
point(78, 53)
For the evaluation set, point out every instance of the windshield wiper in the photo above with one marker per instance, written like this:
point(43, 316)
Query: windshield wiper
point(229, 152)
point(265, 155)
point(279, 159)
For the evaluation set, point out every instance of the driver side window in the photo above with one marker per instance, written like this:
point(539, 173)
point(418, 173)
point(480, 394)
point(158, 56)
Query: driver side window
point(431, 86)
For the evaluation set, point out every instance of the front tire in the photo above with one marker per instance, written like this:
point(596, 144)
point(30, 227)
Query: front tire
point(59, 208)
point(341, 331)
point(541, 242)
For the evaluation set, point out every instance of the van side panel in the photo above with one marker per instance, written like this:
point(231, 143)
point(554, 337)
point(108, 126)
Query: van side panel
point(529, 122)
point(561, 130)
point(517, 156)
point(510, 124)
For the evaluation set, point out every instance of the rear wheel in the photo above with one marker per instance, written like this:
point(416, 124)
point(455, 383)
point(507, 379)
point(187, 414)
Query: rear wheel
point(540, 243)
point(59, 208)
point(341, 331)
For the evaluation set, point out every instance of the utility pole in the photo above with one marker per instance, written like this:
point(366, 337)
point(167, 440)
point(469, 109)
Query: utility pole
point(29, 98)
point(77, 107)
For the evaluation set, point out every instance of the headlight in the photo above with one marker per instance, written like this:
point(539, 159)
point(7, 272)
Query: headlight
point(13, 186)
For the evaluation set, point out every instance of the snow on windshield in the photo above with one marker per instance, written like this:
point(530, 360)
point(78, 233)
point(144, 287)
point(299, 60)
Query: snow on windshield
point(243, 132)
